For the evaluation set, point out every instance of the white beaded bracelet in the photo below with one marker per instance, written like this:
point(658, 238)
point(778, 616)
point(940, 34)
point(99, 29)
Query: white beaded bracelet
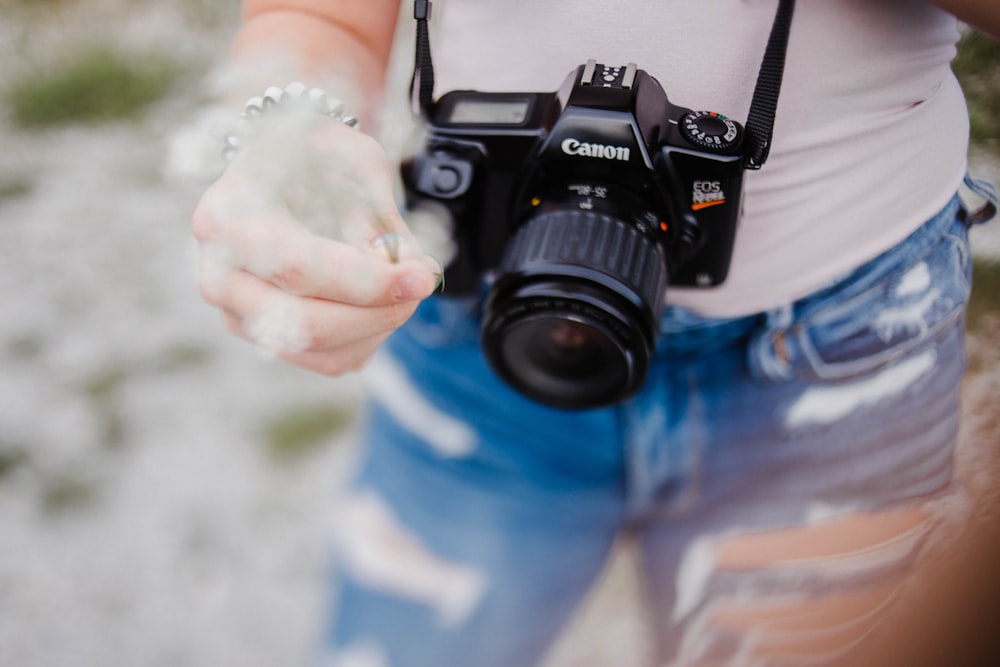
point(293, 93)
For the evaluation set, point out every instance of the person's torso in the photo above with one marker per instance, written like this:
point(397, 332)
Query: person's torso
point(870, 136)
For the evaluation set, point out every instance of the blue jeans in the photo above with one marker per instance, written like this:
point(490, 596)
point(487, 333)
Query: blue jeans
point(478, 519)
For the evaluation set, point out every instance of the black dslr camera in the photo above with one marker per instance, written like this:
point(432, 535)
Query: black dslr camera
point(574, 209)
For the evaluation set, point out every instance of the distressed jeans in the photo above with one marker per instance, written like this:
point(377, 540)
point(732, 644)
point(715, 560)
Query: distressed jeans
point(478, 520)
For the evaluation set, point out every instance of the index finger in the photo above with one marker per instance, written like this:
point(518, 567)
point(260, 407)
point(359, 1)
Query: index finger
point(288, 256)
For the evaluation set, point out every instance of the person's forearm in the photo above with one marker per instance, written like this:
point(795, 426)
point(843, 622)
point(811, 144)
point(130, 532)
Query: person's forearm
point(340, 44)
point(981, 14)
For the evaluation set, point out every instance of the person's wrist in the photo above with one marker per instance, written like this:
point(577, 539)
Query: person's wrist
point(294, 96)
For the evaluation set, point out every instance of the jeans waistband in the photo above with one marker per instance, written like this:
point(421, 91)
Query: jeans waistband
point(684, 332)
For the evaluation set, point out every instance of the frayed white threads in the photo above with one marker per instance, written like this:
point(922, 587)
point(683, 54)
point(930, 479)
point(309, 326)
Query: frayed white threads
point(820, 511)
point(380, 553)
point(911, 318)
point(693, 574)
point(360, 654)
point(915, 281)
point(825, 405)
point(390, 385)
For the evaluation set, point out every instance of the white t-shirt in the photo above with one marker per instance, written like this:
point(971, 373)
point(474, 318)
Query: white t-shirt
point(870, 138)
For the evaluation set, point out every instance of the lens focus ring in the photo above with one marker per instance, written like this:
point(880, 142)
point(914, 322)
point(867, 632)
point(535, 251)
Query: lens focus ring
point(593, 242)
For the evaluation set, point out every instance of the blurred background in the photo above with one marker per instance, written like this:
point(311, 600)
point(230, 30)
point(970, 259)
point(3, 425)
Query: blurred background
point(164, 487)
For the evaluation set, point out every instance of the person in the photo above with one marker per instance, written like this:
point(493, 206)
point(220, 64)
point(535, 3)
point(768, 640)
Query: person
point(788, 458)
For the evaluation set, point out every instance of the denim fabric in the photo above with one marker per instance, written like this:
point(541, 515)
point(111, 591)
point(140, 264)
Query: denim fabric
point(494, 514)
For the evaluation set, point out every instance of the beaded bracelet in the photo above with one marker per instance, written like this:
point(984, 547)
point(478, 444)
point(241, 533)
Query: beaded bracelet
point(293, 93)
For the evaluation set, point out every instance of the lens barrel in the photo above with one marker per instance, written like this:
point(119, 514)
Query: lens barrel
point(571, 320)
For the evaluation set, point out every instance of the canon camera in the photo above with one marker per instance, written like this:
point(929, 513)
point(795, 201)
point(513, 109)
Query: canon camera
point(574, 210)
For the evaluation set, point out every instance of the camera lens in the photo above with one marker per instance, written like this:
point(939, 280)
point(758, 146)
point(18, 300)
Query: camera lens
point(571, 319)
point(562, 357)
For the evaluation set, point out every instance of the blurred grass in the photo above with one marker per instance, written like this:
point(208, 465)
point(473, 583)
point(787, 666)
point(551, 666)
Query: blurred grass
point(104, 392)
point(32, 5)
point(14, 185)
point(104, 385)
point(977, 67)
point(180, 356)
point(11, 458)
point(66, 492)
point(984, 303)
point(95, 85)
point(24, 347)
point(294, 434)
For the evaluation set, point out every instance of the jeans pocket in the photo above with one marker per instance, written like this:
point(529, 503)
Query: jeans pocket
point(844, 337)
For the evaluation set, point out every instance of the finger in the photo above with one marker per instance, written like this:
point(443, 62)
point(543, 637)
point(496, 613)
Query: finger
point(272, 245)
point(345, 359)
point(285, 323)
point(298, 262)
point(318, 268)
point(234, 323)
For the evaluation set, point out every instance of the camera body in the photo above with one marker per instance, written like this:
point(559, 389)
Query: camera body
point(575, 209)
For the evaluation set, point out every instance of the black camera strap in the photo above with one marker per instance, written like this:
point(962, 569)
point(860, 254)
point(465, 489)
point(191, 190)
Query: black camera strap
point(423, 67)
point(763, 105)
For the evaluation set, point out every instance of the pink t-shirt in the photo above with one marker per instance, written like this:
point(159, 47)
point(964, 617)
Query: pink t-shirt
point(871, 133)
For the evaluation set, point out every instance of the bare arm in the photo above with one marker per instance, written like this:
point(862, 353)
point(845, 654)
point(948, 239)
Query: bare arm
point(981, 14)
point(319, 41)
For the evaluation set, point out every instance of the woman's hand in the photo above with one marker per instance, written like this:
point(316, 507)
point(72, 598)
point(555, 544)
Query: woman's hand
point(302, 247)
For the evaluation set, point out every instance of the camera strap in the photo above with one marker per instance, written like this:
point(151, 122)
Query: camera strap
point(422, 82)
point(763, 104)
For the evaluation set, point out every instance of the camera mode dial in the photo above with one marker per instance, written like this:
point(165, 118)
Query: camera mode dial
point(710, 130)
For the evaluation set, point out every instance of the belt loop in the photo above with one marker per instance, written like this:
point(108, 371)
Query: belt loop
point(985, 190)
point(780, 317)
point(769, 356)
